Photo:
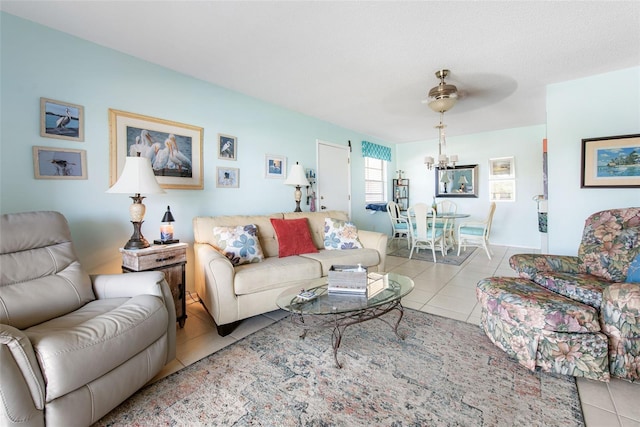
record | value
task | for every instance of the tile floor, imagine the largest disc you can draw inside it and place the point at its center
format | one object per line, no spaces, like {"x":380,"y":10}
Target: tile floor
{"x":440,"y":289}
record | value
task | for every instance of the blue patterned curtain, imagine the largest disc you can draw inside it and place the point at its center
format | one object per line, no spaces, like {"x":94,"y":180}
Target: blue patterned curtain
{"x":369,"y":149}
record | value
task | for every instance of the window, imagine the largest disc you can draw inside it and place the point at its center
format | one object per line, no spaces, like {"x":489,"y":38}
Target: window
{"x":375,"y":180}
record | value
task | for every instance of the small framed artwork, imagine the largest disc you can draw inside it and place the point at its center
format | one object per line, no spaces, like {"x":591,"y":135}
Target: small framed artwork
{"x":59,"y":163}
{"x":61,"y":120}
{"x":174,"y":149}
{"x":611,"y":162}
{"x":275,"y":166}
{"x":227,"y":177}
{"x":227,"y":147}
{"x":502,"y":168}
{"x":502,"y":190}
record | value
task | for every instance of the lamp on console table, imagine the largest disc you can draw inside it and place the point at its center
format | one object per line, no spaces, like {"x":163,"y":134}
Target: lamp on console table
{"x":298,"y":179}
{"x":138,"y":178}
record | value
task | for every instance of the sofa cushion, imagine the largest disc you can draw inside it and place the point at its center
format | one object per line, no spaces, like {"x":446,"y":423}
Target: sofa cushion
{"x":203,"y":229}
{"x":366,"y":257}
{"x":77,"y":348}
{"x":294,"y":237}
{"x":316,"y":223}
{"x":340,"y":234}
{"x":523,"y":303}
{"x":585,"y":288}
{"x":274,"y":273}
{"x":240,"y":243}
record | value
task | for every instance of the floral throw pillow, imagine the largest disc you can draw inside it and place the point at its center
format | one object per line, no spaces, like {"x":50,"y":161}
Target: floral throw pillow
{"x":339,"y":234}
{"x":240,"y":243}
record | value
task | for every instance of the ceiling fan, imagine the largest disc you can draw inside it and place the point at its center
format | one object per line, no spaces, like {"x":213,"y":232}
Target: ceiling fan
{"x":443,"y":97}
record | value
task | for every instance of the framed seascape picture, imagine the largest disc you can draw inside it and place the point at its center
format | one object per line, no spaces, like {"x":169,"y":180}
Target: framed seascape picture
{"x":227,"y":147}
{"x":61,"y":120}
{"x":275,"y":166}
{"x":59,"y":163}
{"x":174,"y":149}
{"x":502,"y":168}
{"x":502,"y":190}
{"x":227,"y":177}
{"x":460,"y":181}
{"x":611,"y":162}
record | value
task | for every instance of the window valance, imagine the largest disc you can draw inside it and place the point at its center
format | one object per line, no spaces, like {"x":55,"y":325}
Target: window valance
{"x":369,"y":149}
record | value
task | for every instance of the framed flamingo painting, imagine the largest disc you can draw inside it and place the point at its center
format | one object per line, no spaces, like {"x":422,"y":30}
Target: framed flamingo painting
{"x":61,"y":120}
{"x":174,"y":149}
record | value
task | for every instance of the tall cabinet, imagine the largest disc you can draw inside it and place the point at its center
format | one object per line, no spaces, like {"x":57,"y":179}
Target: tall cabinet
{"x":401,"y":193}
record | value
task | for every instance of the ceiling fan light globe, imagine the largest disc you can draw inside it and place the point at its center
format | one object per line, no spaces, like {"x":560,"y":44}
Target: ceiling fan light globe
{"x":443,"y":104}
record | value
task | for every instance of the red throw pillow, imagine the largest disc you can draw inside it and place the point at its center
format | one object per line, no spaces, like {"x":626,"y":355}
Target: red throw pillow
{"x":294,"y":237}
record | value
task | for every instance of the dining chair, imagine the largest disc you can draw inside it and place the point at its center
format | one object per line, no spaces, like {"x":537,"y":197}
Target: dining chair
{"x":425,"y":234}
{"x":399,"y":223}
{"x":476,"y":233}
{"x":447,"y":207}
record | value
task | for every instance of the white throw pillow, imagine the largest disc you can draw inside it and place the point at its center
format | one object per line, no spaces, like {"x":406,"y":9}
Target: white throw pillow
{"x":339,"y":234}
{"x":240,"y":243}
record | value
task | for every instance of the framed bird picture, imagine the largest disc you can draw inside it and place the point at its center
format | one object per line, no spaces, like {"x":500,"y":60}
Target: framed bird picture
{"x":59,"y":163}
{"x":61,"y":120}
{"x":227,"y":147}
{"x":174,"y":149}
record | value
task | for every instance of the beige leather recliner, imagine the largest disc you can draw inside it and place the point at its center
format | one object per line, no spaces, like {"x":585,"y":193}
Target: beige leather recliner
{"x":73,"y":346}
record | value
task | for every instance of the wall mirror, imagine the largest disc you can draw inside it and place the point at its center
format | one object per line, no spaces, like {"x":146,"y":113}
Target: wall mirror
{"x":459,"y":181}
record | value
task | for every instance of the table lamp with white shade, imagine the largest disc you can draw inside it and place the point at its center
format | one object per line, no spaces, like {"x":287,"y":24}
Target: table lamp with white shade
{"x":297,"y":178}
{"x":137,"y":177}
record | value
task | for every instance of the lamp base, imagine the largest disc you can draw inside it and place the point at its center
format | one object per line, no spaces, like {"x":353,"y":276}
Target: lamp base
{"x":137,"y":240}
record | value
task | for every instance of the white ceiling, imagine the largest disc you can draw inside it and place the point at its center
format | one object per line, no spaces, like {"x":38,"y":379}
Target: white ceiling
{"x":368,"y":65}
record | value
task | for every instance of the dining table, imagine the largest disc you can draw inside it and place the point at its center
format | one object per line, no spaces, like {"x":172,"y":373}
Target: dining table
{"x":450,"y":239}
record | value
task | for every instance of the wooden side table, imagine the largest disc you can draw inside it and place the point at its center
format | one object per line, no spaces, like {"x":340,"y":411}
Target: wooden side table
{"x":171,"y":260}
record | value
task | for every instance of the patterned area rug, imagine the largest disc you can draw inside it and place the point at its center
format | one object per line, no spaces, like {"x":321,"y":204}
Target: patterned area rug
{"x":426,"y":255}
{"x":444,"y":373}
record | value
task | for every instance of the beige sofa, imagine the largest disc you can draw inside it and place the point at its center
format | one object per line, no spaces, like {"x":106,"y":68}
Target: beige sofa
{"x":231,"y":294}
{"x":73,"y":346}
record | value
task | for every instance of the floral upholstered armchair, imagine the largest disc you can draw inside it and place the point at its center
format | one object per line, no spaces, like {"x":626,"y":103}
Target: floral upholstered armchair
{"x":573,"y":315}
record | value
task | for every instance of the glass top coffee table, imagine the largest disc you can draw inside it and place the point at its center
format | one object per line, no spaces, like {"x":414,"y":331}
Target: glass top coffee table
{"x":340,"y":310}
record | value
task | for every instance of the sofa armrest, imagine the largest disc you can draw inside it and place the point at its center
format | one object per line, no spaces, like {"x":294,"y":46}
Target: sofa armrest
{"x":214,"y":282}
{"x":528,"y":265}
{"x":620,"y":309}
{"x":22,"y":388}
{"x":377,"y":241}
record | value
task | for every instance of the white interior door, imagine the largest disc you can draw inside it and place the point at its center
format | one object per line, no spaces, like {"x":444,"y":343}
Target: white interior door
{"x":333,"y":177}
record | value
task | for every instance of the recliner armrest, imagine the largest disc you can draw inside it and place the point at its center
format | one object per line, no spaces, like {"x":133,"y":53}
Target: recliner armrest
{"x":527,"y":265}
{"x":22,"y":389}
{"x":128,"y":285}
{"x":620,"y":309}
{"x":140,"y":283}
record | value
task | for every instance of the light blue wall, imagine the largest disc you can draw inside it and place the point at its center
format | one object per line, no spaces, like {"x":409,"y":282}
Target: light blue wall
{"x":39,"y":62}
{"x":514,"y":223}
{"x":597,"y":106}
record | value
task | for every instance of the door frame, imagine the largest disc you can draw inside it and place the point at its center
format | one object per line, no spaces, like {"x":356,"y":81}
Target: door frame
{"x":347,"y":149}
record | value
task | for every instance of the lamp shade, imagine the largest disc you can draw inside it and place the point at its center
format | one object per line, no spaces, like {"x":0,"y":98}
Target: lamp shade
{"x":137,"y":177}
{"x":463,"y":180}
{"x":297,"y":176}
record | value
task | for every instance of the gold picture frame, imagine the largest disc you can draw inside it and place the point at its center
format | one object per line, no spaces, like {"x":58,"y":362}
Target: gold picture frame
{"x":59,"y":163}
{"x":155,"y":138}
{"x":61,"y":120}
